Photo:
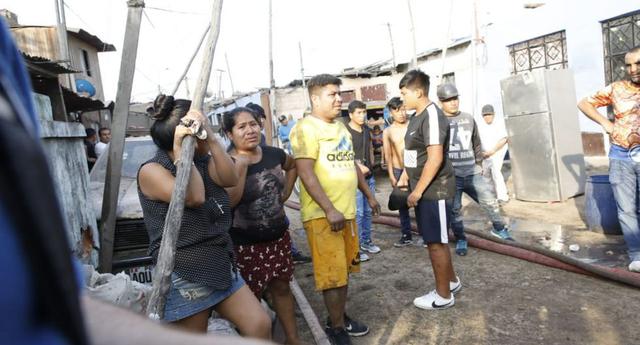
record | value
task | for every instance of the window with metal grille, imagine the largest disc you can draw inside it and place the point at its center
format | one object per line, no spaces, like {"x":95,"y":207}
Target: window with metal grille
{"x":548,"y":51}
{"x":449,"y":78}
{"x":619,"y":35}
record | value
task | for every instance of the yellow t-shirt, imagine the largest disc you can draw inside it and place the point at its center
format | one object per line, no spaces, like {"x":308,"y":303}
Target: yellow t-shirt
{"x":329,"y":144}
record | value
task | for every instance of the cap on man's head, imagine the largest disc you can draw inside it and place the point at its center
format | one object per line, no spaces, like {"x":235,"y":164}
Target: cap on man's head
{"x":487,"y":109}
{"x":90,"y":131}
{"x":282,"y":118}
{"x":447,"y":91}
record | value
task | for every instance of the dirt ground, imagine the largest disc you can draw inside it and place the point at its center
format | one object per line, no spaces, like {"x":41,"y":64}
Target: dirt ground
{"x":503,"y":301}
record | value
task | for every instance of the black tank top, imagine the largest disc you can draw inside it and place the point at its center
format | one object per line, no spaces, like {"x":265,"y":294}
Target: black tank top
{"x":204,"y":252}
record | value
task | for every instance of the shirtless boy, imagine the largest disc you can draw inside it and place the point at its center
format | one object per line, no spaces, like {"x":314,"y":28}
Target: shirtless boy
{"x":393,"y":146}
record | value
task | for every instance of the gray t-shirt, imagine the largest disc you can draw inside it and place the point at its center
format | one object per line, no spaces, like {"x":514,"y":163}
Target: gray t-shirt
{"x":465,"y":150}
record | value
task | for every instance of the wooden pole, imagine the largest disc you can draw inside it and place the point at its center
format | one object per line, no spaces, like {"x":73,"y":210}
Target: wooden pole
{"x":445,"y":46}
{"x":193,"y":56}
{"x":270,"y":128}
{"x":167,"y":252}
{"x":414,"y":57}
{"x":118,"y":129}
{"x":474,"y":61}
{"x":226,"y":60}
{"x":305,"y":94}
{"x":186,"y":86}
{"x":393,"y":51}
{"x":63,"y":44}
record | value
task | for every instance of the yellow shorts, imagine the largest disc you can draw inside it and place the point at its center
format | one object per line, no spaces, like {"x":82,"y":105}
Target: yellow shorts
{"x":335,"y":254}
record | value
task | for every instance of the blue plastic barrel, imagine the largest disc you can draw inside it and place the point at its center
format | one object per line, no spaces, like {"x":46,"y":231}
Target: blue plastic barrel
{"x":600,"y":206}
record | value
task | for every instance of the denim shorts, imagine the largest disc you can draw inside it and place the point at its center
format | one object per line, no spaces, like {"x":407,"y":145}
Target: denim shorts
{"x":186,"y":298}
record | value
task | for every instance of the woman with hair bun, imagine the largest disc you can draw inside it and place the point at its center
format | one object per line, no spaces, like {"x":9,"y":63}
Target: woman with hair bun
{"x":260,"y":226}
{"x":204,"y":277}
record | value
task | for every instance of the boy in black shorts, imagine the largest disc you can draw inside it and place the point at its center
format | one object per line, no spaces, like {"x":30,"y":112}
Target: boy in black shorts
{"x":429,"y":175}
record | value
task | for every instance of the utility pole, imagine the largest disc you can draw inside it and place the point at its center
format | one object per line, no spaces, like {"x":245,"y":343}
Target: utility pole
{"x":186,"y":86}
{"x":414,"y":59}
{"x":393,"y":51}
{"x":63,"y":45}
{"x":474,"y":60}
{"x":220,"y":71}
{"x":272,"y":81}
{"x":233,"y":91}
{"x":193,"y":56}
{"x":118,"y":129}
{"x":173,"y":220}
{"x":305,"y":94}
{"x":447,"y":38}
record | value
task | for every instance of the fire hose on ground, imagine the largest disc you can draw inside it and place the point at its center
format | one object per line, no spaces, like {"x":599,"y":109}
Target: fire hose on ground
{"x":535,"y":254}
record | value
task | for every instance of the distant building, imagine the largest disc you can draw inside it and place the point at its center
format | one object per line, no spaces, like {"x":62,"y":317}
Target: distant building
{"x":84,"y":86}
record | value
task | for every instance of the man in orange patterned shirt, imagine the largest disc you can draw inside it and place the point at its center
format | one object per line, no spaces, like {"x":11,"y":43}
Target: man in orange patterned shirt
{"x":624,"y":172}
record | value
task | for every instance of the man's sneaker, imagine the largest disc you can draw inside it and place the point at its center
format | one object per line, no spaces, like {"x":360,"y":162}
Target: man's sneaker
{"x":370,"y":247}
{"x":354,"y":328}
{"x":338,"y":336}
{"x":299,"y":258}
{"x":364,"y":257}
{"x":433,"y":301}
{"x":403,"y":242}
{"x":502,"y":234}
{"x":461,"y":247}
{"x":634,"y":266}
{"x":455,"y":287}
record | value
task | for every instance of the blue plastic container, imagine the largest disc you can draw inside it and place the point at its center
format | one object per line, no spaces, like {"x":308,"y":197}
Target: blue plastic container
{"x":600,"y":206}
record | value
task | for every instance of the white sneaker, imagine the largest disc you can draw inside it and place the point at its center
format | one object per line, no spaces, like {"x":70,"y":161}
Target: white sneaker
{"x":370,"y":247}
{"x":634,"y":266}
{"x":364,"y":257}
{"x":455,"y":287}
{"x":432,"y":301}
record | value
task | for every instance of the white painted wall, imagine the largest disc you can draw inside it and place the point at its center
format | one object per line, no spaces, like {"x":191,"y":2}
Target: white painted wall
{"x":581,"y":22}
{"x":504,"y":23}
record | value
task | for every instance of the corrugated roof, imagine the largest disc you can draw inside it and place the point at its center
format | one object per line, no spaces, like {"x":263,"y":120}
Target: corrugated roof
{"x":39,"y":65}
{"x":74,"y":102}
{"x":81,"y":34}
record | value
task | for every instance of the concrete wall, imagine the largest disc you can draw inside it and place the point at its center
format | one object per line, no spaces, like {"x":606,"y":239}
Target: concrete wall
{"x":291,"y":101}
{"x":64,"y":147}
{"x":511,"y":23}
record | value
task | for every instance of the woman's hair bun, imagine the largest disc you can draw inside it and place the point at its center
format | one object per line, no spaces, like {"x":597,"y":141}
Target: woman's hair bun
{"x":162,"y":107}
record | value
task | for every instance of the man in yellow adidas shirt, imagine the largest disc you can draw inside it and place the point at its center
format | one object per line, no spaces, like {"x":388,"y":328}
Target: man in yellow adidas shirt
{"x":324,"y":155}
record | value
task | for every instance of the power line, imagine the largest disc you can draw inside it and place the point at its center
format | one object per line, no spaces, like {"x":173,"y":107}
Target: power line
{"x":174,"y":11}
{"x":78,"y":16}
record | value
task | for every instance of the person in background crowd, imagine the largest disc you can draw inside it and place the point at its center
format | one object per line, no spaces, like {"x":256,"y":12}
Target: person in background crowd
{"x":105,"y":137}
{"x":429,"y":175}
{"x":393,"y":138}
{"x":259,"y":110}
{"x":465,"y":154}
{"x":90,"y":146}
{"x":363,"y":149}
{"x":624,"y":171}
{"x":325,"y":163}
{"x":259,"y":231}
{"x":494,"y":140}
{"x":204,"y":277}
{"x":283,"y":131}
{"x":378,"y":143}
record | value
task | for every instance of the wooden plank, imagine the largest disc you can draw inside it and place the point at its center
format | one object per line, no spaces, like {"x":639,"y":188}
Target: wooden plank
{"x":167,"y":251}
{"x":118,"y":129}
{"x":312,"y":320}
